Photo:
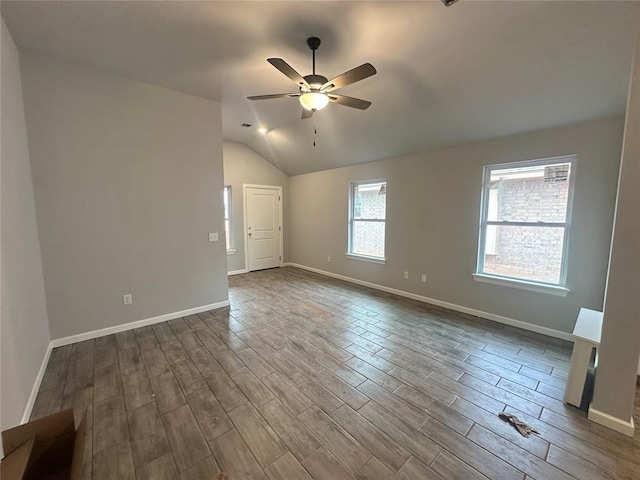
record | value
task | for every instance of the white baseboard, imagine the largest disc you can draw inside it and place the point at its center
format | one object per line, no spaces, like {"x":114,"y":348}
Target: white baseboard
{"x":625,"y":427}
{"x":238,"y":272}
{"x":36,"y":386}
{"x":59,"y":342}
{"x":458,"y":308}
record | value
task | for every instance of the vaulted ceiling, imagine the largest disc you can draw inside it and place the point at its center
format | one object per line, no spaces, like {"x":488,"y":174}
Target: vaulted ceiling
{"x":445,"y":75}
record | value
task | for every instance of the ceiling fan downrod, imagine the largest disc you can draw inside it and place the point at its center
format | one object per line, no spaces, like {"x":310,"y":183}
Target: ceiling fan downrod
{"x":313,"y":43}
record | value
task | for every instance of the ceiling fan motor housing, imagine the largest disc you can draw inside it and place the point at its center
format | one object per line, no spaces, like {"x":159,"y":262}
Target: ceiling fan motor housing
{"x":315,"y":81}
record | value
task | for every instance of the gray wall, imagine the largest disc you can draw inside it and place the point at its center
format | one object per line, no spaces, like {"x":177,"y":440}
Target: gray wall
{"x":433,"y":206}
{"x":128,"y":183}
{"x":24,"y":327}
{"x":243,"y":165}
{"x":621,"y":326}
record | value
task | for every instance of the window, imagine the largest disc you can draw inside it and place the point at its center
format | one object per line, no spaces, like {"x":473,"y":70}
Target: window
{"x":228,"y":234}
{"x":367,"y":212}
{"x":525,"y":219}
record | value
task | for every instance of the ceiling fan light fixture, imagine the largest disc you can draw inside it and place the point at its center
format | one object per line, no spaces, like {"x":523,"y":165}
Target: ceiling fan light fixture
{"x":315,"y":91}
{"x":314,"y":100}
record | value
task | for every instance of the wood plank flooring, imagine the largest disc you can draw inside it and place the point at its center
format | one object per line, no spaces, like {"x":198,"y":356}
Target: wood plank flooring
{"x":306,"y":377}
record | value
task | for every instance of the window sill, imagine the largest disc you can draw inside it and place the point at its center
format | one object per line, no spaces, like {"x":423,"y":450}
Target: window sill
{"x":231,"y":251}
{"x":366,"y":258}
{"x":522,"y":284}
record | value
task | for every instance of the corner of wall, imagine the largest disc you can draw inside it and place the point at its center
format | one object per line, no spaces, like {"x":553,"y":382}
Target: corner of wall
{"x":24,"y":325}
{"x":620,"y":347}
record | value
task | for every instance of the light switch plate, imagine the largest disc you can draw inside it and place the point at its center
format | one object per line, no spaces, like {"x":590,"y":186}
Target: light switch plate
{"x":213,"y":237}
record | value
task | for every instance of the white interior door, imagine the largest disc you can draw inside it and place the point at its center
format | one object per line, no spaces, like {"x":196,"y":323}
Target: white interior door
{"x":263,"y":222}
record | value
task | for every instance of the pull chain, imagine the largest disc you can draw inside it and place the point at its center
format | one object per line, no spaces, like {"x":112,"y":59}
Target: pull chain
{"x":315,"y":126}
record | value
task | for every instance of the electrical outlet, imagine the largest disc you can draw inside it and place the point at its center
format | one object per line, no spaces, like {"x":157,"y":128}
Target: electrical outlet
{"x":328,"y":259}
{"x":213,"y":237}
{"x":423,"y":279}
{"x":406,"y":275}
{"x":127,"y":299}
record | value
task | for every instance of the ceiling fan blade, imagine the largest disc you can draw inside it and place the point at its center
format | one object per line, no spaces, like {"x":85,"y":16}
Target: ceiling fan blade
{"x":349,"y":101}
{"x":274,"y":95}
{"x":306,"y":113}
{"x":288,"y":70}
{"x":352,"y":76}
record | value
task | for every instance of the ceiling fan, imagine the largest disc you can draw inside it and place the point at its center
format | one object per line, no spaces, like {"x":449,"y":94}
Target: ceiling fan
{"x":315,"y":91}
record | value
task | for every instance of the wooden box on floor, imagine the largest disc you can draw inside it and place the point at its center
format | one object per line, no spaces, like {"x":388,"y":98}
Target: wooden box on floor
{"x":49,"y":448}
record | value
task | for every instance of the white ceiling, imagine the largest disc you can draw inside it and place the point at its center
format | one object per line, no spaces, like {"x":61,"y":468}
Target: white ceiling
{"x":445,"y":75}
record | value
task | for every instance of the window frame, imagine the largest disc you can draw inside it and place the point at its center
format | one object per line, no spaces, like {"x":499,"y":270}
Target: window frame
{"x":229,"y":190}
{"x":559,"y":288}
{"x":350,"y":253}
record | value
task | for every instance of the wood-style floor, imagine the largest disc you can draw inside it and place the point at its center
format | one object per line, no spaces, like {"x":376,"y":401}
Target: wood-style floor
{"x":305,"y":377}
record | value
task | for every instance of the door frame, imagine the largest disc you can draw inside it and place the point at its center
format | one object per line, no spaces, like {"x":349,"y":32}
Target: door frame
{"x":246,"y":230}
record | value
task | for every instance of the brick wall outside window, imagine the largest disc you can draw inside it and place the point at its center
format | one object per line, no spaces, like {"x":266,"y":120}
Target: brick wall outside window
{"x":529,"y":252}
{"x":368,"y":237}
